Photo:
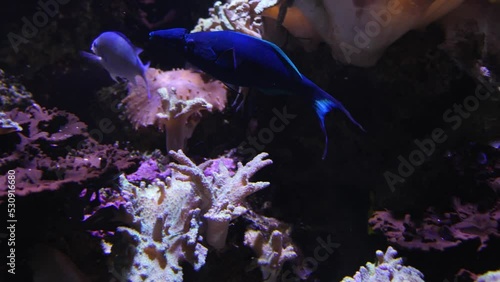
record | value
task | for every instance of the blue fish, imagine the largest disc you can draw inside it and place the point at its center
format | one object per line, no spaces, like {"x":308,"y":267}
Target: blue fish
{"x":114,"y":52}
{"x":239,"y":59}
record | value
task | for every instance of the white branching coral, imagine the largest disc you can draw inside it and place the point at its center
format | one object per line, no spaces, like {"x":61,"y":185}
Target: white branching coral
{"x":238,"y":15}
{"x":271,"y":242}
{"x":174,"y":221}
{"x":388,"y":268}
{"x":165,"y":229}
{"x":222,"y":195}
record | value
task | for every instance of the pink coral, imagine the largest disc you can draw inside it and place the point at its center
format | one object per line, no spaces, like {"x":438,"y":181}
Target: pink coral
{"x":177,"y":101}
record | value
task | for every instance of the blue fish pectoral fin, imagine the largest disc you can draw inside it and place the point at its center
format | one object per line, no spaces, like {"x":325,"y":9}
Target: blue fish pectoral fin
{"x":91,"y":57}
{"x":227,"y":59}
{"x":234,"y":89}
{"x":324,"y":103}
{"x":239,"y":101}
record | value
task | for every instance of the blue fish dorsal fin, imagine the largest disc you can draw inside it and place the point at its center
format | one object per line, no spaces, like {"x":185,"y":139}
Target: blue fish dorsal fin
{"x":284,"y":58}
{"x":227,"y":59}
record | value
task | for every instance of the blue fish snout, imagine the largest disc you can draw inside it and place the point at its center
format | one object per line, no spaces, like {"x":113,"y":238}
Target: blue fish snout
{"x":174,"y":34}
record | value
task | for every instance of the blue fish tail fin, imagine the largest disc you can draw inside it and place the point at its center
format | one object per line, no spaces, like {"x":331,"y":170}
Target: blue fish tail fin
{"x":323,"y":103}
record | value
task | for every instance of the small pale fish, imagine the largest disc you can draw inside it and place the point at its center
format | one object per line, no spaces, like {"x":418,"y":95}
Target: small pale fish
{"x":114,"y":52}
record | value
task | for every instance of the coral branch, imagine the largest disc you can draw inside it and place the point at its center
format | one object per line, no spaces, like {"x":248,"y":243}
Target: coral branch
{"x":270,"y":240}
{"x":178,"y":99}
{"x":223,"y":195}
{"x":387,"y":268}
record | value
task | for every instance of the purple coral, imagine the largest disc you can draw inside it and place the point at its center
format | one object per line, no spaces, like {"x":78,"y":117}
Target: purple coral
{"x":149,"y":171}
{"x":439,"y":231}
{"x":215,"y":166}
{"x":55,"y":150}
